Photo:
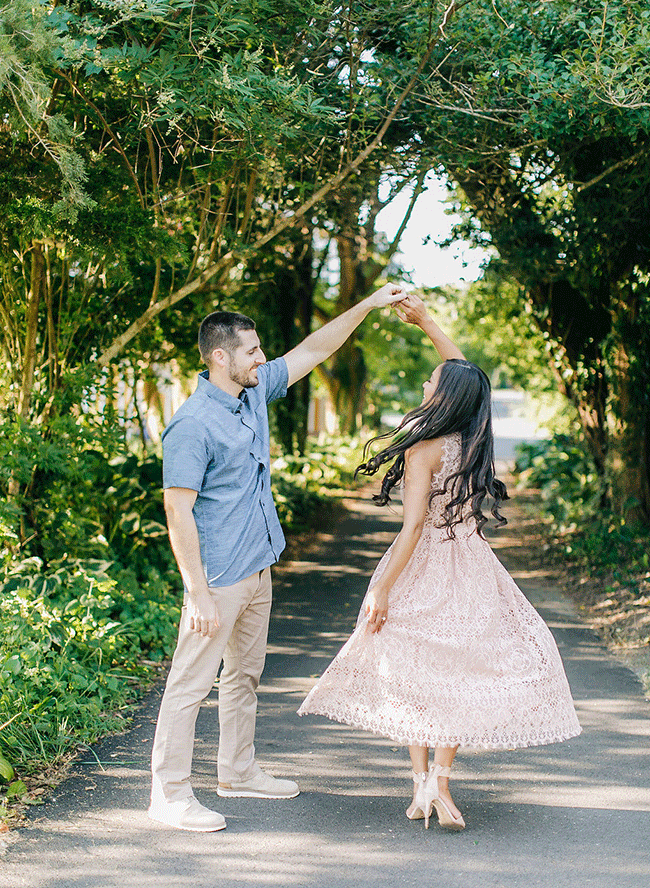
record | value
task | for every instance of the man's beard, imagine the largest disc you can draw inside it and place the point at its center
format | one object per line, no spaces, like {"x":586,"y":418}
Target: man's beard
{"x":243,"y":378}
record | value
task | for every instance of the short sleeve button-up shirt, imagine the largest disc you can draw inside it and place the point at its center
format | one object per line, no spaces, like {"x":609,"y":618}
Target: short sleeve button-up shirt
{"x":218,"y":445}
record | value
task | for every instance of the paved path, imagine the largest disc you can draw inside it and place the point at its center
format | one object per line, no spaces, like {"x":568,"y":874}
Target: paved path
{"x":576,"y":813}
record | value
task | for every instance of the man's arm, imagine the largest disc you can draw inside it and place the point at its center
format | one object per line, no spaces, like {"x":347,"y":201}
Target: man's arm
{"x":184,"y":539}
{"x":413,"y":310}
{"x":318,"y":346}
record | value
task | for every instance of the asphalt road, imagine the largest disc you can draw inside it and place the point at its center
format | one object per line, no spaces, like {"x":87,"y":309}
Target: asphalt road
{"x":571,"y":814}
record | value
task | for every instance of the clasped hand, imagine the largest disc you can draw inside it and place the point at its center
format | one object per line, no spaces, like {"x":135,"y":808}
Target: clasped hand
{"x":387,"y":295}
{"x":411,"y":310}
{"x":376,"y":609}
{"x":203,"y":614}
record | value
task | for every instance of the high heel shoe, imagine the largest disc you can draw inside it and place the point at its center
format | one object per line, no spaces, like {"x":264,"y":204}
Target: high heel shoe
{"x":418,"y":813}
{"x":427,"y":797}
{"x":445,"y":818}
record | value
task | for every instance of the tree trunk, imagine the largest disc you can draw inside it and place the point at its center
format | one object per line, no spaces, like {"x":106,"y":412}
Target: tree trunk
{"x":305,"y":315}
{"x":628,"y":464}
{"x":286,"y":307}
{"x":578,"y":325}
{"x":31,"y":330}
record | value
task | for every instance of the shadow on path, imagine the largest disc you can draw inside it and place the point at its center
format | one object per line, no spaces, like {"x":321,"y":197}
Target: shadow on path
{"x":547,"y":817}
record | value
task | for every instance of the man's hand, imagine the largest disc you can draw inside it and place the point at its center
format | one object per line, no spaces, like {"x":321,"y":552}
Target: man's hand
{"x":202,"y":610}
{"x":412,"y":310}
{"x":387,"y":295}
{"x":376,"y":608}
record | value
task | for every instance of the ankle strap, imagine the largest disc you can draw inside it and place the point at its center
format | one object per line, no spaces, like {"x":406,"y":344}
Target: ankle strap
{"x":439,"y":771}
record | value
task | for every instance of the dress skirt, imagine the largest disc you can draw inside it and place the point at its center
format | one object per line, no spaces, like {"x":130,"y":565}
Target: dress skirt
{"x":463,"y":658}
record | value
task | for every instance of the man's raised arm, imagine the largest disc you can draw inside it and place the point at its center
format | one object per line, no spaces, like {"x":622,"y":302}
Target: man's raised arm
{"x":318,"y":346}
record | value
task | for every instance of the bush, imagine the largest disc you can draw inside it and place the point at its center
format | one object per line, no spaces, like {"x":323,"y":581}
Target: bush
{"x":72,"y":643}
{"x":566,"y":477}
{"x":302,"y":483}
{"x":89,"y":589}
{"x":84,"y":621}
{"x":586,"y":531}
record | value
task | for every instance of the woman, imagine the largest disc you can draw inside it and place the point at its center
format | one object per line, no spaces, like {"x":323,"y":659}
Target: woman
{"x":447,"y":651}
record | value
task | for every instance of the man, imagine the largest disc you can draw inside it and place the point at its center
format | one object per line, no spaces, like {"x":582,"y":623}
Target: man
{"x":225,"y":534}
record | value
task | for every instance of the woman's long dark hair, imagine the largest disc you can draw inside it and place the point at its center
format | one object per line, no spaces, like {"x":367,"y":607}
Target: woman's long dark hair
{"x":460,"y":403}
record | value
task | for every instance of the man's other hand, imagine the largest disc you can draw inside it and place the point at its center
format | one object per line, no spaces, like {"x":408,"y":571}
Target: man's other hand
{"x":202,"y":610}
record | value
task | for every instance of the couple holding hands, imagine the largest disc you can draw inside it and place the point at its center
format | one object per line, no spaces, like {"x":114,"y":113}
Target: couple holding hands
{"x":447,"y":652}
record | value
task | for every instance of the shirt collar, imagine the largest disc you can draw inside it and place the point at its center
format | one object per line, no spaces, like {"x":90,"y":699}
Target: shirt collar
{"x":213,"y":391}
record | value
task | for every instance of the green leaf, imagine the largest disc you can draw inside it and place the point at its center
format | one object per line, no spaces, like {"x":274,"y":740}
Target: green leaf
{"x":6,"y":771}
{"x":16,"y":789}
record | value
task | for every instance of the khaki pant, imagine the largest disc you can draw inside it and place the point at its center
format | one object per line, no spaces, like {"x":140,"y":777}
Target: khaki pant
{"x":240,"y":641}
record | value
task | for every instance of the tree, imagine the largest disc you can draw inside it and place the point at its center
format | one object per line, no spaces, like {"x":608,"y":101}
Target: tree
{"x":538,"y":117}
{"x":151,"y":155}
{"x":362,"y":256}
{"x":149,"y":151}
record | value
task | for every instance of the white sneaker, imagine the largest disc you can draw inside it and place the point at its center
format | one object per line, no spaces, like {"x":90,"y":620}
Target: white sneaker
{"x":261,"y":786}
{"x":187,"y":814}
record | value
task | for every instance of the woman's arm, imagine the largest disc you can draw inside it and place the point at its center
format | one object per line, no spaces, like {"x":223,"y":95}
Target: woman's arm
{"x":422,"y":461}
{"x":413,"y":311}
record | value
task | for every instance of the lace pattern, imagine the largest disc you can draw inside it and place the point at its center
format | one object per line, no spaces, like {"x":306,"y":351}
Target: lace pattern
{"x":463,"y":658}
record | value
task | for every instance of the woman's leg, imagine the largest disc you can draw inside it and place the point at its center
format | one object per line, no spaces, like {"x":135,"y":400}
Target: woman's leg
{"x":419,"y":758}
{"x":420,"y":764}
{"x":444,"y":756}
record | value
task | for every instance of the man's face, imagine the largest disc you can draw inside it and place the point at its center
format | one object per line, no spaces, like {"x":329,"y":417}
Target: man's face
{"x":246,"y":358}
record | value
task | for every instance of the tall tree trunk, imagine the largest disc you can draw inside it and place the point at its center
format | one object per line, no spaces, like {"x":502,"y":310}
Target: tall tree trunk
{"x":31,"y":330}
{"x":578,"y":325}
{"x":286,"y":304}
{"x":348,"y":366}
{"x":304,"y":316}
{"x":628,"y":464}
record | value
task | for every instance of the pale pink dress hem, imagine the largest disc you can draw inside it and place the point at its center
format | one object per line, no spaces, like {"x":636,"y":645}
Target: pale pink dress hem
{"x":465,"y":743}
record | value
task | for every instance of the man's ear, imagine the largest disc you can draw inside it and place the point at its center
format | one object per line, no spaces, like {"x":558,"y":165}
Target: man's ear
{"x":220,"y":358}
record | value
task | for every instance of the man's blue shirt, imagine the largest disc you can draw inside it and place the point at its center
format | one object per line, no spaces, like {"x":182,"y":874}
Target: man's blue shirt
{"x":218,"y":445}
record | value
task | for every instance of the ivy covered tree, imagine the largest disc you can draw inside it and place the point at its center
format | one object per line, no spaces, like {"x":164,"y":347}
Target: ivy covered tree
{"x":540,"y":116}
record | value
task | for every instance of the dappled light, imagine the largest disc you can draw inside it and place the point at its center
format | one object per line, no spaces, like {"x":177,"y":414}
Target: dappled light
{"x":541,"y":816}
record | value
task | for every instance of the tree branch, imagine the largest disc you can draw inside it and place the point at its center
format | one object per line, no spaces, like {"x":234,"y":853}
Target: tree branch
{"x":105,"y":124}
{"x":290,"y":219}
{"x":611,"y":169}
{"x":417,"y":191}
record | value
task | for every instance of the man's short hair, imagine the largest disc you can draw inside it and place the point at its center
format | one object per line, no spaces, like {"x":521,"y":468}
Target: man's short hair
{"x":220,"y":330}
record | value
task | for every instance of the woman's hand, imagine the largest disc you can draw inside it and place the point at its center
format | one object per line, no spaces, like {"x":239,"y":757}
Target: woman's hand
{"x":412,"y":310}
{"x":376,"y":608}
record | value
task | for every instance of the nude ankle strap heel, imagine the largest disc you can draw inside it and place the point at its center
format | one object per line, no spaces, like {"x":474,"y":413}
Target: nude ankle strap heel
{"x":427,"y":797}
{"x":419,"y":779}
{"x":445,"y":818}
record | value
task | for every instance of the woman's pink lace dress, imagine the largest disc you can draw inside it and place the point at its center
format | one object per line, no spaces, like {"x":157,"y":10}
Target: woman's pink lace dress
{"x":463,"y":657}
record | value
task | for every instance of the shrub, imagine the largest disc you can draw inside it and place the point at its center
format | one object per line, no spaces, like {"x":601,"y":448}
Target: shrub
{"x":582,"y":526}
{"x":302,"y":483}
{"x":72,"y":643}
{"x":566,"y":477}
{"x":83,"y":623}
